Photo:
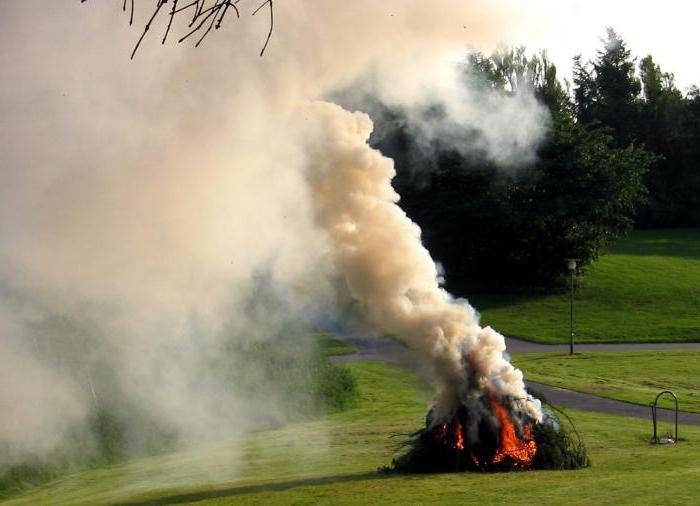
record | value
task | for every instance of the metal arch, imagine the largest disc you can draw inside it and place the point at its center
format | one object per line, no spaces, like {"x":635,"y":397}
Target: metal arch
{"x":654,"y":406}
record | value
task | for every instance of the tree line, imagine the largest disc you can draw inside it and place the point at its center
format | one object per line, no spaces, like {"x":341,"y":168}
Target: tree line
{"x":622,"y":150}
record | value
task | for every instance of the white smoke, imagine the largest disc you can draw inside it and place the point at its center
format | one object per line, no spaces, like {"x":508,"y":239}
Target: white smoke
{"x":448,"y":107}
{"x":378,"y":251}
{"x":138,"y":198}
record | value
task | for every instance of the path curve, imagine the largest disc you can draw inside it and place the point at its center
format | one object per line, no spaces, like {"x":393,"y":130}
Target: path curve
{"x":393,"y":352}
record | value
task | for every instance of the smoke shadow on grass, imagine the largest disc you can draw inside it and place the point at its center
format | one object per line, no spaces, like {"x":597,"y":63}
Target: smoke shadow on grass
{"x":252,"y":489}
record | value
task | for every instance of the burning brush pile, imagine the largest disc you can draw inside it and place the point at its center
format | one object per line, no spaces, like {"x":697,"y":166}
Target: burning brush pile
{"x":490,"y":435}
{"x":483,"y":418}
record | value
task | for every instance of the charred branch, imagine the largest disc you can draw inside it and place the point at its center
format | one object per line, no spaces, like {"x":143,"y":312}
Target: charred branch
{"x":202,"y":15}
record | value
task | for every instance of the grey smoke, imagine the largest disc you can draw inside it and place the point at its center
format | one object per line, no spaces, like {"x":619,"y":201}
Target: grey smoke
{"x":454,"y":110}
{"x":139,"y":199}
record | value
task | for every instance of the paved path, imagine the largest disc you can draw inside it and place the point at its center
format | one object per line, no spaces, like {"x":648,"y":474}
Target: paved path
{"x":393,"y":352}
{"x":515,"y":346}
{"x":588,"y":402}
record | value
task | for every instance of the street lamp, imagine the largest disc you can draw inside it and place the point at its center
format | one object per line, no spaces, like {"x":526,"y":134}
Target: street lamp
{"x":571,"y":264}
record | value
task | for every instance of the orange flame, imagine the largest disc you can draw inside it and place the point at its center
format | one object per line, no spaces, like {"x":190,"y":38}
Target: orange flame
{"x":512,"y":450}
{"x":442,"y":431}
{"x":453,"y":437}
{"x":521,"y":451}
{"x":459,"y":443}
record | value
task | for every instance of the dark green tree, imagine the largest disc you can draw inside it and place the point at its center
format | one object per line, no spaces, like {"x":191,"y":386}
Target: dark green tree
{"x":492,"y":226}
{"x":579,"y":198}
{"x":660,"y":130}
{"x":649,"y":111}
{"x":499,"y":227}
{"x":669,"y":126}
{"x":607,"y":89}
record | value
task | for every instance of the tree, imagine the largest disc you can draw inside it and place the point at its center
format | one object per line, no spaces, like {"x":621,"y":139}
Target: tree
{"x":581,"y":197}
{"x":515,"y":229}
{"x":668,"y":126}
{"x":659,"y":129}
{"x":585,"y":91}
{"x":495,"y":227}
{"x":607,"y":89}
{"x":647,"y":110}
{"x":512,"y":70}
{"x":203,"y":15}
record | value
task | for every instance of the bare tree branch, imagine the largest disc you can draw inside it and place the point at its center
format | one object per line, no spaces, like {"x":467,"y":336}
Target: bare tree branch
{"x":173,"y":11}
{"x":272,"y":22}
{"x":148,"y":26}
{"x":206,"y":14}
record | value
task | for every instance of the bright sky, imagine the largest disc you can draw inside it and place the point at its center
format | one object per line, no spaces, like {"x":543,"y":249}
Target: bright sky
{"x":667,"y":30}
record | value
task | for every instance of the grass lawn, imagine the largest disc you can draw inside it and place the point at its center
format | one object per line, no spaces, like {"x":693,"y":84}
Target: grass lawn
{"x":628,"y":376}
{"x":329,"y":346}
{"x":647,"y":288}
{"x":334,"y":461}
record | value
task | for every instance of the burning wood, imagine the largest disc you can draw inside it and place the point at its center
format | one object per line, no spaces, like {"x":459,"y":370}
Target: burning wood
{"x":489,"y":436}
{"x":520,"y":451}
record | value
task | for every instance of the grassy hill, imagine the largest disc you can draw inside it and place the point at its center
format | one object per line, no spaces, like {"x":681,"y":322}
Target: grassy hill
{"x":291,"y":370}
{"x":647,"y":288}
{"x":335,"y":461}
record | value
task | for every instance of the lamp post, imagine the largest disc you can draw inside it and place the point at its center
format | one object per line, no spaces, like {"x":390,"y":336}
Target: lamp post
{"x":571,"y":264}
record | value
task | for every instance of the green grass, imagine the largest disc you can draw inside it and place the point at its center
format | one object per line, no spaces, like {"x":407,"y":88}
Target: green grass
{"x":291,"y":369}
{"x":329,"y":346}
{"x":334,"y":461}
{"x":628,"y":376}
{"x":647,"y":288}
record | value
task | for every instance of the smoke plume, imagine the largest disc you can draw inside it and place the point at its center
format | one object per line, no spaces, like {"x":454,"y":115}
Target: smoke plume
{"x":378,"y":251}
{"x":139,"y":200}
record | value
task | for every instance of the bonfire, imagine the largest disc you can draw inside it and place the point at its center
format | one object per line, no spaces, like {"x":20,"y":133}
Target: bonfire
{"x":490,"y":435}
{"x":483,"y":418}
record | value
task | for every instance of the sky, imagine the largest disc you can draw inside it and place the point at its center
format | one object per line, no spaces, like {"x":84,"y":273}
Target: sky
{"x":666,"y":30}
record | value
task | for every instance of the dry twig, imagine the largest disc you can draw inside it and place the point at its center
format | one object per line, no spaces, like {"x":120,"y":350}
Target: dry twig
{"x":206,"y":14}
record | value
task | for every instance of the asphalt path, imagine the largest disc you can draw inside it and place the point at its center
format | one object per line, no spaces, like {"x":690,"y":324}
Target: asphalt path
{"x":515,"y":346}
{"x":394,"y":352}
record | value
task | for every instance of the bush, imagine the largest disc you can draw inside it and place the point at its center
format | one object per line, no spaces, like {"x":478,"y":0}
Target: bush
{"x":335,"y":387}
